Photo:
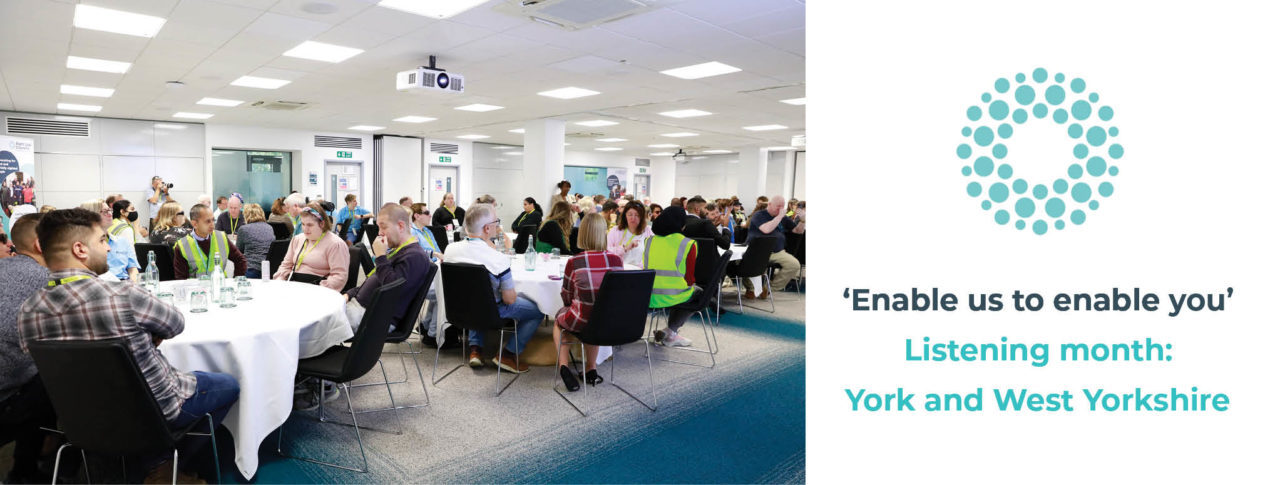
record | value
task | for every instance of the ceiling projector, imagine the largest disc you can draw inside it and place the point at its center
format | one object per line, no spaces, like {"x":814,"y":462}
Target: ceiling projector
{"x":428,"y":78}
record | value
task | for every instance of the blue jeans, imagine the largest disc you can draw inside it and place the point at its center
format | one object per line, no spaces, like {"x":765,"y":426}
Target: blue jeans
{"x":215,"y":393}
{"x":253,"y":273}
{"x":527,"y":317}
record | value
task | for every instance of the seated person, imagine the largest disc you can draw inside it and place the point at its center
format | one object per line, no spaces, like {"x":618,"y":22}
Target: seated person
{"x":482,"y":225}
{"x":772,"y":221}
{"x":122,"y":260}
{"x":316,"y":256}
{"x":254,"y":239}
{"x":628,"y":238}
{"x":447,"y":213}
{"x":583,"y":275}
{"x":352,"y":216}
{"x":398,"y":256}
{"x":696,"y":224}
{"x":555,"y":230}
{"x":24,"y":406}
{"x":194,"y":256}
{"x":670,"y":253}
{"x":169,"y":225}
{"x":70,"y":307}
{"x":532,"y":215}
{"x":421,"y":220}
{"x":231,"y":220}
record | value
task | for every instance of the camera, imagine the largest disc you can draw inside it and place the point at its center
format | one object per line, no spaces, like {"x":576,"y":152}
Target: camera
{"x":168,"y":185}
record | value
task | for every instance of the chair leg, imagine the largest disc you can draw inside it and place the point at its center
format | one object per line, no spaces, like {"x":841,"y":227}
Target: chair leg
{"x":213,"y":441}
{"x":435,"y":381}
{"x":702,"y":320}
{"x":653,"y":389}
{"x":768,"y":282}
{"x":57,"y":461}
{"x":555,"y":376}
{"x":175,"y":466}
{"x":498,"y":378}
{"x":85,"y":460}
{"x":359,"y":440}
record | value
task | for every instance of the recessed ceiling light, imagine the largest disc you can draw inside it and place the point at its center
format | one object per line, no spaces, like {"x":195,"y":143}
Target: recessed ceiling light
{"x":567,"y":144}
{"x":259,"y":82}
{"x":596,"y":123}
{"x":513,"y":153}
{"x":681,"y":134}
{"x":220,"y":102}
{"x":320,"y":51}
{"x":194,"y":116}
{"x":684,"y":113}
{"x":366,"y":128}
{"x":611,"y":140}
{"x":87,"y":91}
{"x":764,"y":127}
{"x":501,"y":147}
{"x":478,"y":107}
{"x":662,"y":154}
{"x":608,"y":149}
{"x":414,"y":119}
{"x":99,"y":65}
{"x":716,"y":152}
{"x":116,"y":21}
{"x":170,"y":126}
{"x":79,"y":107}
{"x":517,"y":130}
{"x":699,"y":158}
{"x":438,"y":9}
{"x":664,"y":145}
{"x":473,"y":137}
{"x":779,"y":149}
{"x":698,"y":71}
{"x":568,"y":92}
{"x":795,"y":101}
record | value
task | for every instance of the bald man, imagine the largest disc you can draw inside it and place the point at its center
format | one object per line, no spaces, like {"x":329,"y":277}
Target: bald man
{"x":773,"y":221}
{"x":398,"y":256}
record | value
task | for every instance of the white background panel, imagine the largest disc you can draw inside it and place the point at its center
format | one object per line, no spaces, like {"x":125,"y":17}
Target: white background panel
{"x":126,"y":173}
{"x":60,"y":172}
{"x":185,"y":142}
{"x":65,"y":199}
{"x":126,"y":137}
{"x":186,"y":174}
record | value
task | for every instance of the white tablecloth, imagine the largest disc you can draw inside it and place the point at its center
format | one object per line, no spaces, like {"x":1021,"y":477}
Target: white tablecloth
{"x":737,"y":249}
{"x":259,"y":343}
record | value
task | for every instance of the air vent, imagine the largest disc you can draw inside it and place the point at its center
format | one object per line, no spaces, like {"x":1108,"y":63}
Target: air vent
{"x":445,"y":148}
{"x":572,"y":14}
{"x":584,"y":134}
{"x":31,"y":126}
{"x":281,"y":105}
{"x":338,"y":142}
{"x":642,"y":162}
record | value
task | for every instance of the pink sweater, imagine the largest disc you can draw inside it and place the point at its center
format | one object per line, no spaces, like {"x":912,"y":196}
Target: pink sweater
{"x":330,"y":258}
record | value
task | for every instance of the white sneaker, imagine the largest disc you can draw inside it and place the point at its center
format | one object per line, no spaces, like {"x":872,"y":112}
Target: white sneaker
{"x":675,"y":340}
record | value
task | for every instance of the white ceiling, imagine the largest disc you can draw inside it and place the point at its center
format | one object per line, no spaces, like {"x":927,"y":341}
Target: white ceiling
{"x":506,"y":60}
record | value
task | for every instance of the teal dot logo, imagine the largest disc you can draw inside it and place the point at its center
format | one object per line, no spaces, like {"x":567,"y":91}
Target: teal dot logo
{"x":1087,"y":173}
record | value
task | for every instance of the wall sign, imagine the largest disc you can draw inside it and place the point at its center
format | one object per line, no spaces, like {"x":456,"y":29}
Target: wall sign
{"x":444,"y":159}
{"x":313,"y":178}
{"x":344,"y":154}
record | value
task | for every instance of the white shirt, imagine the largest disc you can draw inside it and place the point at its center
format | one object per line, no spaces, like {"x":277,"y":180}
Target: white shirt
{"x":477,"y":252}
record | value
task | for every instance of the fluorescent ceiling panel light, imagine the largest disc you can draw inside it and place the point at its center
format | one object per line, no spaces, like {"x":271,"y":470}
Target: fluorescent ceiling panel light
{"x":478,"y":107}
{"x":170,"y":126}
{"x":517,"y":130}
{"x":684,"y":113}
{"x":568,"y":93}
{"x":608,"y":149}
{"x":764,"y":127}
{"x":259,"y":82}
{"x":414,"y":119}
{"x":99,"y":65}
{"x":473,"y":137}
{"x":596,"y":123}
{"x":366,"y":128}
{"x":220,"y":102}
{"x":699,"y":71}
{"x":513,"y":153}
{"x":793,"y":101}
{"x":662,"y":154}
{"x":664,"y":145}
{"x":194,"y":116}
{"x":779,"y":149}
{"x":87,"y":91}
{"x":611,"y":140}
{"x":79,"y":107}
{"x":320,"y":51}
{"x":501,"y":147}
{"x":116,"y":21}
{"x":436,"y":9}
{"x":681,"y":134}
{"x":716,"y":152}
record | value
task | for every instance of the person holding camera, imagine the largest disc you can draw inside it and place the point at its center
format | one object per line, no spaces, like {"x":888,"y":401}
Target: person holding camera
{"x":156,"y":195}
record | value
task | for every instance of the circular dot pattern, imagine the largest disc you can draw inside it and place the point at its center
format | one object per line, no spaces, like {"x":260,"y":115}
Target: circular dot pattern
{"x":1039,"y":96}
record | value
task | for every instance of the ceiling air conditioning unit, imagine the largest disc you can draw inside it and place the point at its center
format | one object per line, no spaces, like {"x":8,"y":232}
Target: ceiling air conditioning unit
{"x":571,"y":14}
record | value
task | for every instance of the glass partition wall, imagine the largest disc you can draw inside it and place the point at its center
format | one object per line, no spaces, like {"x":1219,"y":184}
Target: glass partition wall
{"x":259,"y":176}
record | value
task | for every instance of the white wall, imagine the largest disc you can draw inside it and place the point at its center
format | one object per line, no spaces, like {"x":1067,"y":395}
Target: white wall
{"x":500,"y":174}
{"x":402,"y":168}
{"x":465,"y":193}
{"x":775,"y":182}
{"x":306,"y":156}
{"x":800,"y":176}
{"x":712,"y":177}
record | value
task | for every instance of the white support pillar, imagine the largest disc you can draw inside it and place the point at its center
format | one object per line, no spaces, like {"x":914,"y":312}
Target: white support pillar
{"x":543,"y":159}
{"x":753,"y":162}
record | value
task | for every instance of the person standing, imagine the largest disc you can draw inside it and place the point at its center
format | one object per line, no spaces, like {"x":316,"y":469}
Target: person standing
{"x":156,"y":195}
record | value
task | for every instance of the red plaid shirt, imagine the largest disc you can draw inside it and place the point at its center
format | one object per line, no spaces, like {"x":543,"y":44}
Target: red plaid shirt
{"x":583,"y":275}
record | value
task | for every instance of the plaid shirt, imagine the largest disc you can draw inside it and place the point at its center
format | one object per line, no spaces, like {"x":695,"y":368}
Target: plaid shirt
{"x":95,"y":309}
{"x":583,"y":275}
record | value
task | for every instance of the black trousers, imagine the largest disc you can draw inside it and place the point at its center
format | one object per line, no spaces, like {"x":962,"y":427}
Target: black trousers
{"x":21,"y":416}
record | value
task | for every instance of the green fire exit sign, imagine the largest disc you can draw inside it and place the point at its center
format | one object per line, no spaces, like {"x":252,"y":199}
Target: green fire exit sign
{"x":344,"y":154}
{"x":446,"y":159}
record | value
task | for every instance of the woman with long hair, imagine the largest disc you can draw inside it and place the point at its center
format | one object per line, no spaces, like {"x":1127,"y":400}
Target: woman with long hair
{"x":555,"y":230}
{"x":629,"y":237}
{"x":448,"y":212}
{"x":170,"y":225}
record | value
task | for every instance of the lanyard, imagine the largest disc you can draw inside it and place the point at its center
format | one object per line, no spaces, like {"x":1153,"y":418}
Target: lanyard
{"x":303,"y":253}
{"x":234,"y":220}
{"x":630,"y":236}
{"x":203,"y":263}
{"x":451,"y":214}
{"x":392,"y":254}
{"x":69,"y":279}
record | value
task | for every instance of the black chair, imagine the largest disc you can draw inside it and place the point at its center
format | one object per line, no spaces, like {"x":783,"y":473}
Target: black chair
{"x":573,"y":241}
{"x":469,"y":304}
{"x":739,"y":235}
{"x":275,"y":255}
{"x":704,"y":267}
{"x":405,"y":328}
{"x":361,"y":264}
{"x":755,"y":262}
{"x":281,"y":230}
{"x":617,"y":318}
{"x":795,"y":246}
{"x":342,"y":365}
{"x":122,"y":418}
{"x":164,"y":258}
{"x":442,"y":237}
{"x":370,"y":230}
{"x":521,"y":244}
{"x":342,"y":230}
{"x":698,"y":304}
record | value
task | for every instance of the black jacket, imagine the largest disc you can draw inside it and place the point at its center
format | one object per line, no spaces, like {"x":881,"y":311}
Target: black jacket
{"x":550,"y":233}
{"x":526,"y":219}
{"x":695,"y":226}
{"x":442,"y":218}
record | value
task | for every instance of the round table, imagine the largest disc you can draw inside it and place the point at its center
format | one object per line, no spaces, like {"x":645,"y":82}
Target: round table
{"x":259,"y":343}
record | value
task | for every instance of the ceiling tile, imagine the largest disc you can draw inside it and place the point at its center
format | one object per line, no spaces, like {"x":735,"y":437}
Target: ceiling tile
{"x":286,"y":27}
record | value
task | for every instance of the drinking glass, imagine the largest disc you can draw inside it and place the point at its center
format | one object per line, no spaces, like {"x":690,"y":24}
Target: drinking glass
{"x":227,"y":295}
{"x":244,"y":289}
{"x":199,"y":300}
{"x":166,"y":297}
{"x":555,"y":253}
{"x":545,"y":256}
{"x":205,"y":282}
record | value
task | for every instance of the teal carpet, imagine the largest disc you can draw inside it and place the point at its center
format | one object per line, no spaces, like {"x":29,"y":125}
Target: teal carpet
{"x":740,"y":426}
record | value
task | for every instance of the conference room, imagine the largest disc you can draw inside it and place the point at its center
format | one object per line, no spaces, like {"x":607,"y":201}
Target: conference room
{"x":353,"y":241}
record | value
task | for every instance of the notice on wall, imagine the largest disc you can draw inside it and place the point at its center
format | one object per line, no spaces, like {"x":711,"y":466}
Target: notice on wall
{"x":616,"y":180}
{"x":17,"y":177}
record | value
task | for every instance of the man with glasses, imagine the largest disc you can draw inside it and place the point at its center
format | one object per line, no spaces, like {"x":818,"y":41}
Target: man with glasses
{"x":482,"y":225}
{"x":421,"y":219}
{"x":122,"y":259}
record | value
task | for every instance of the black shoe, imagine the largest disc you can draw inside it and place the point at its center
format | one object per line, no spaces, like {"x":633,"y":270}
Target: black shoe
{"x":570,"y":380}
{"x":593,"y":378}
